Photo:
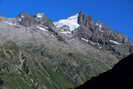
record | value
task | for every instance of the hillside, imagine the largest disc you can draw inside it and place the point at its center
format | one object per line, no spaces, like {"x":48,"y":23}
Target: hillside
{"x":119,"y":77}
{"x":37,"y":53}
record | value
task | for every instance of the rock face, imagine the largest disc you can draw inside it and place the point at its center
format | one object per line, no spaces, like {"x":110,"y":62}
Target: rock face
{"x":25,"y":19}
{"x":101,"y":36}
{"x":119,"y":77}
{"x":35,"y":53}
{"x":44,"y":20}
{"x":84,"y":20}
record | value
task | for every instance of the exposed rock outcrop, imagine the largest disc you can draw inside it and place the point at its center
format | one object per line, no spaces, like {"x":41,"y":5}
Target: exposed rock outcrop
{"x":25,"y":19}
{"x":84,"y":20}
{"x":41,"y":18}
{"x":102,"y":37}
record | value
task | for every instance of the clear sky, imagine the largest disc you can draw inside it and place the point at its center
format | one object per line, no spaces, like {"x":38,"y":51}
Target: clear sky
{"x":117,"y":14}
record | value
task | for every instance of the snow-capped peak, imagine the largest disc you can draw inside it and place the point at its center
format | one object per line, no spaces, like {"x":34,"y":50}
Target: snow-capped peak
{"x":72,"y":22}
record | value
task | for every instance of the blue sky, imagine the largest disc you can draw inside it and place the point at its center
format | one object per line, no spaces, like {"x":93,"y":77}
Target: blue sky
{"x":117,"y":14}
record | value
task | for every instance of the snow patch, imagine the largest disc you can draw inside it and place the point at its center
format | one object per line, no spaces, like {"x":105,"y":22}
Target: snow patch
{"x":100,"y":26}
{"x":39,"y":15}
{"x":9,"y":23}
{"x":66,"y":32}
{"x":115,"y":42}
{"x":84,"y":39}
{"x":41,"y":28}
{"x":72,"y":22}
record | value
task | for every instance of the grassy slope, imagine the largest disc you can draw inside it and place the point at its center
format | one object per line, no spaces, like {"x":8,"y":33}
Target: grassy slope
{"x":45,"y":68}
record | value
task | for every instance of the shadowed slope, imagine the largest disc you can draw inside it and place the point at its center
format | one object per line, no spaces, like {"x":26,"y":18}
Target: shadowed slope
{"x":120,"y":77}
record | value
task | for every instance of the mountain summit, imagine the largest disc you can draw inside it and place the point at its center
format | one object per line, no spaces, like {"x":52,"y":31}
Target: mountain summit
{"x":71,"y":22}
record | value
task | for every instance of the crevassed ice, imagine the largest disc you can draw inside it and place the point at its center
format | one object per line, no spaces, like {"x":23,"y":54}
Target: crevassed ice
{"x":72,"y":22}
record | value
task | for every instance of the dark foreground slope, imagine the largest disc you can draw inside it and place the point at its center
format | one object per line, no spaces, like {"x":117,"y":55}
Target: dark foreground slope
{"x":120,"y":77}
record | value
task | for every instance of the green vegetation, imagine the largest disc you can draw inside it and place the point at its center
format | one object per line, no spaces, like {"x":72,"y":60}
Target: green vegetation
{"x":41,"y":67}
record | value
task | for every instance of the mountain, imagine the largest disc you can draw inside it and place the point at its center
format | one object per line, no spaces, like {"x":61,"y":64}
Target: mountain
{"x":97,"y":34}
{"x":71,"y":22}
{"x":119,"y":77}
{"x":37,"y":53}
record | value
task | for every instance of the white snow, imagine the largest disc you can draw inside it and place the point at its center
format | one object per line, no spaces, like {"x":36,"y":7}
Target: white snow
{"x":41,"y":28}
{"x":72,"y":22}
{"x":10,"y":23}
{"x":66,"y":32}
{"x":39,"y":15}
{"x":115,"y":42}
{"x":100,"y":26}
{"x":84,"y":39}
